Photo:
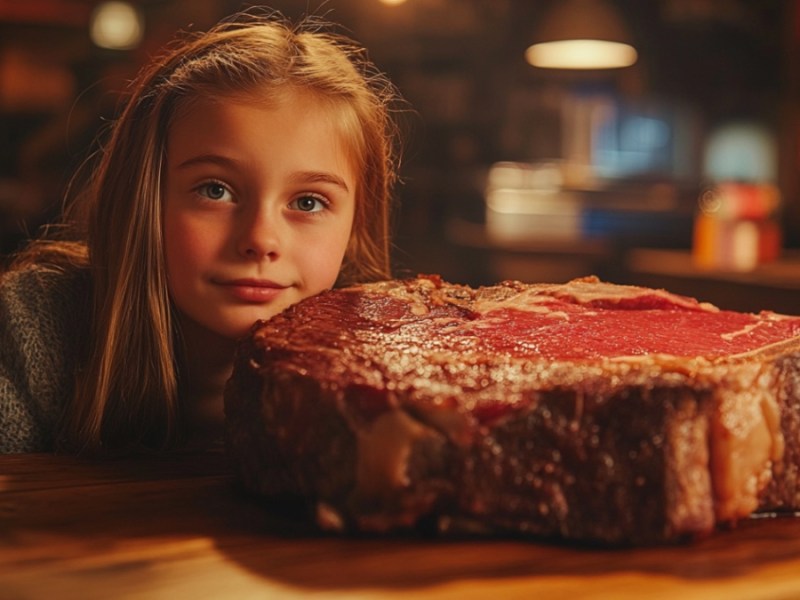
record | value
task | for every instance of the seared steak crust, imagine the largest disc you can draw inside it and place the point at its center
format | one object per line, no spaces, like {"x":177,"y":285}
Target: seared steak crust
{"x":494,"y":409}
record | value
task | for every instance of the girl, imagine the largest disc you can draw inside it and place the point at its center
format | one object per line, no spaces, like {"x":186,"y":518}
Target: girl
{"x":251,"y":167}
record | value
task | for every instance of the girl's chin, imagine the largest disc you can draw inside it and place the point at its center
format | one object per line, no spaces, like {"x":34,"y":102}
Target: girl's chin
{"x":239,"y":330}
{"x":236,"y":324}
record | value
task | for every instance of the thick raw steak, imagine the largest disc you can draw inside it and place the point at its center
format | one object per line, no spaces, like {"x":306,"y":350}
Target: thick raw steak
{"x":585,"y":411}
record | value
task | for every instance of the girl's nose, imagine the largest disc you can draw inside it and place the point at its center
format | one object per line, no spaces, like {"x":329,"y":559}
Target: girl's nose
{"x":259,"y":235}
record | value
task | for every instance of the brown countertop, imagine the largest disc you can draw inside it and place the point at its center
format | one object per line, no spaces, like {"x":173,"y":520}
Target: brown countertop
{"x":177,"y":526}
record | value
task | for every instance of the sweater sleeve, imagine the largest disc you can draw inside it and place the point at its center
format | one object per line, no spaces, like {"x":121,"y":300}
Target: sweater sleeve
{"x":38,"y":324}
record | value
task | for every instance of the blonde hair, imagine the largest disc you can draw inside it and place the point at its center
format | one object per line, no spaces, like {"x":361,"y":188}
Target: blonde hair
{"x":127,"y":393}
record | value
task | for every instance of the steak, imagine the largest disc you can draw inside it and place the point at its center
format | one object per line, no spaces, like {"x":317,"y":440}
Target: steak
{"x":582,"y":411}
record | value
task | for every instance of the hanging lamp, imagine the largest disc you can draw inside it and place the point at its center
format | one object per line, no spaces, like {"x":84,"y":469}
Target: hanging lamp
{"x":582,"y":34}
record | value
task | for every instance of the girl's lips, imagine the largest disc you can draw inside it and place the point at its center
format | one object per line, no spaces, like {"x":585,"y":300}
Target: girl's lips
{"x":253,"y":290}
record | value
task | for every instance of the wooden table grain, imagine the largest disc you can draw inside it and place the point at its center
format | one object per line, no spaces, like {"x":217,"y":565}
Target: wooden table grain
{"x":177,"y":526}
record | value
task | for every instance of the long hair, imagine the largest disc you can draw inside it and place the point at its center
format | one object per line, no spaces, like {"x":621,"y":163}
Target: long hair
{"x":127,"y":393}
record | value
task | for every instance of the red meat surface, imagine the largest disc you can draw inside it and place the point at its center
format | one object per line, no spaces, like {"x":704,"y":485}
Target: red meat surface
{"x":585,"y":410}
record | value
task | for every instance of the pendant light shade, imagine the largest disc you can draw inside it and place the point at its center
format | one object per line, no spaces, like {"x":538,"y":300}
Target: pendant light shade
{"x":582,"y":34}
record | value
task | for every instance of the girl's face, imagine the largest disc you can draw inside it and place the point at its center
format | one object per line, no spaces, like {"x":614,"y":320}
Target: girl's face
{"x":258,"y":209}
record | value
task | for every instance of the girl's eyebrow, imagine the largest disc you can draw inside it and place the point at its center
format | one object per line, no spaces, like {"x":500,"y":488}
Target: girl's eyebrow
{"x":298,"y":177}
{"x":320,"y":177}
{"x":206,"y":159}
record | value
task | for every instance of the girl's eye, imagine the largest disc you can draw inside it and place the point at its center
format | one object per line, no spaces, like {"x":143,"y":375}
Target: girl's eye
{"x":214,"y":191}
{"x":308,"y":203}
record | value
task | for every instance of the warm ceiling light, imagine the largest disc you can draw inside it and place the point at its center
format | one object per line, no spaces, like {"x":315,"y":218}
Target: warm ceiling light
{"x":581,"y":54}
{"x":116,"y":25}
{"x":582,"y":34}
{"x":392,"y":2}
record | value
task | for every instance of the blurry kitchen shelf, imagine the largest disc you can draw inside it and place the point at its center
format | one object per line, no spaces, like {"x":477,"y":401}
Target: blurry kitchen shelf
{"x":475,"y":235}
{"x":783,"y":273}
{"x":486,"y":259}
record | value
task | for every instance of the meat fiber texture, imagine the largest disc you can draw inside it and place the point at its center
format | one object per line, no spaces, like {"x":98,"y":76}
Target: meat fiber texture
{"x":583,"y":411}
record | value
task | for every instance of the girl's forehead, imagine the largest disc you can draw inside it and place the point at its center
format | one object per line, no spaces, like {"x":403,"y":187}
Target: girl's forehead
{"x":335,"y":112}
{"x":270,"y":97}
{"x":303,"y":128}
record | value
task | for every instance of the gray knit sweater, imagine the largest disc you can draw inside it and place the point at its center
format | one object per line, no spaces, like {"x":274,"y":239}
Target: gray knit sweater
{"x":43,"y":316}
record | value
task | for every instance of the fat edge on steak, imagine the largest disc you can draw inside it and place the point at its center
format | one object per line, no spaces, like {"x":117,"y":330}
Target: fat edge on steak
{"x":632,"y":450}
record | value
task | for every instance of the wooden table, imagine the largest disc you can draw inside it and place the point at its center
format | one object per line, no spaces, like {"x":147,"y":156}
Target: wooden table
{"x":177,"y":526}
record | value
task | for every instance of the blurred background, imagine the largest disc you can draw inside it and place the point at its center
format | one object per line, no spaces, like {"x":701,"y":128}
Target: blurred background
{"x":675,"y":166}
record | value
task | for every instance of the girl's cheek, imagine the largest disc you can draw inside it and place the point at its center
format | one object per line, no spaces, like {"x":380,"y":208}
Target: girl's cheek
{"x":188,"y":240}
{"x":326,"y":263}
